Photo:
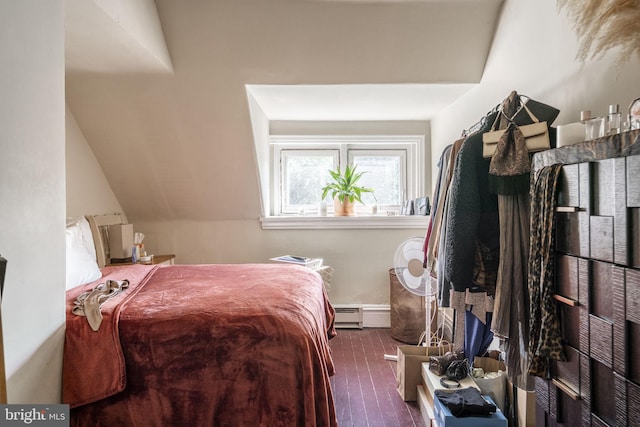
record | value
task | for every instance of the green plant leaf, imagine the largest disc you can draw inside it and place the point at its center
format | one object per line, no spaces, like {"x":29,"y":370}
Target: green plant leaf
{"x":344,"y":184}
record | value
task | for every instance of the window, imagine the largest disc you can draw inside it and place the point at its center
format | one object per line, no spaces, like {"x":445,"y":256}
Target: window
{"x":393,"y":166}
{"x":303,"y":173}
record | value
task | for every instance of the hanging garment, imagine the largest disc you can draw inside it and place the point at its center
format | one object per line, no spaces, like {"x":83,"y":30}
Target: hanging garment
{"x":443,"y":165}
{"x":475,"y":304}
{"x":511,"y":311}
{"x":472,"y":215}
{"x":444,"y":286}
{"x":511,"y":315}
{"x":436,"y":256}
{"x":545,"y":339}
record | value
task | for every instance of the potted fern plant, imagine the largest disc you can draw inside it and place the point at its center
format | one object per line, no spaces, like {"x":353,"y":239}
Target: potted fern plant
{"x":345,"y":190}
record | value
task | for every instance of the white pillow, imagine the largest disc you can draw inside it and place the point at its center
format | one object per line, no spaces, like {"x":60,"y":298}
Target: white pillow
{"x":82,"y":267}
{"x":85,"y":231}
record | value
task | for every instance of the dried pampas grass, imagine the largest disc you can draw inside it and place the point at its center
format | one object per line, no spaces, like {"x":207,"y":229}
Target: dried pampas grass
{"x":605,"y":24}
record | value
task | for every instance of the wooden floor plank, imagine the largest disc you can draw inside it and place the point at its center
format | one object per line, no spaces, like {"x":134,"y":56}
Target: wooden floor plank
{"x":374,"y":349}
{"x":369,"y":410}
{"x":364,"y":386}
{"x":340,"y":381}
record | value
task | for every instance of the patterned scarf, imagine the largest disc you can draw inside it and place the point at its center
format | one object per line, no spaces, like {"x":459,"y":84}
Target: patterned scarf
{"x":545,"y":337}
{"x":510,"y":164}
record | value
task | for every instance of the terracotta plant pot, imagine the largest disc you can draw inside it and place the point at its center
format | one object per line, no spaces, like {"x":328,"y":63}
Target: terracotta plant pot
{"x":345,"y":208}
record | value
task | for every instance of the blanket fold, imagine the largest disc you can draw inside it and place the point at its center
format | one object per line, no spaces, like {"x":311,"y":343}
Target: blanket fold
{"x":94,"y":365}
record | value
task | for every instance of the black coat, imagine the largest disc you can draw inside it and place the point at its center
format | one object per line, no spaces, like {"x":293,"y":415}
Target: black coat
{"x":472,"y":218}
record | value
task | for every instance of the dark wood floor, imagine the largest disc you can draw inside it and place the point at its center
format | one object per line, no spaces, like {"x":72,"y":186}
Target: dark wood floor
{"x":364,"y":386}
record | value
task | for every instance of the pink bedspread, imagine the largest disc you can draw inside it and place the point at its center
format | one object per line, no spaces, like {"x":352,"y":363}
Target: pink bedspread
{"x":204,"y":345}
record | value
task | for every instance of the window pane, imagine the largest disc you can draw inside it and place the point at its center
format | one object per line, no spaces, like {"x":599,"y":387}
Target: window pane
{"x":383,"y":174}
{"x":304,"y":176}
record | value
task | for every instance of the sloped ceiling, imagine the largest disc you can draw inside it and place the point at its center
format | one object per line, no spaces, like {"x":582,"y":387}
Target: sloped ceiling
{"x":170,"y":125}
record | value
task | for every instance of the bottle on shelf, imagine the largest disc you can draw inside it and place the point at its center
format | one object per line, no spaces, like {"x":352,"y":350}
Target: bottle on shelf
{"x":614,"y":119}
{"x":593,"y":126}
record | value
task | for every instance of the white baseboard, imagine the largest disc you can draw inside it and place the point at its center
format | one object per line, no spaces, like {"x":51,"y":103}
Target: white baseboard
{"x":363,"y":315}
{"x":376,"y":315}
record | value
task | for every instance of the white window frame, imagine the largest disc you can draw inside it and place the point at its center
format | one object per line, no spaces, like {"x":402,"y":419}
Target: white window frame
{"x":413,"y":145}
{"x":283,"y":208}
{"x":405,"y":169}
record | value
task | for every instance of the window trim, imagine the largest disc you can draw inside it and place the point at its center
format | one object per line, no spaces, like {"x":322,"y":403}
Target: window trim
{"x":413,"y":144}
{"x":307,"y":222}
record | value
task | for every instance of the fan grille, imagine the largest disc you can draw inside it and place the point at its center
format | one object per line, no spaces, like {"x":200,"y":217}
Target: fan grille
{"x":408,"y":265}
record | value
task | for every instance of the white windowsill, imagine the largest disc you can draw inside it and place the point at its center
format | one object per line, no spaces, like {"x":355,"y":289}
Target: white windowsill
{"x":343,"y":222}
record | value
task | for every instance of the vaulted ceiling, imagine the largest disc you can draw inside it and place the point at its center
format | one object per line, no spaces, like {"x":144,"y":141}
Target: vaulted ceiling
{"x":160,"y":90}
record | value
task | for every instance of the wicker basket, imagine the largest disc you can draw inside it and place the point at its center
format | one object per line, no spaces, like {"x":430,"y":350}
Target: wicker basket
{"x":408,"y":312}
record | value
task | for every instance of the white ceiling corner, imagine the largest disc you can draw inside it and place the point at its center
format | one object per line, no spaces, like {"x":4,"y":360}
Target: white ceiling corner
{"x":355,"y":102}
{"x":118,"y":36}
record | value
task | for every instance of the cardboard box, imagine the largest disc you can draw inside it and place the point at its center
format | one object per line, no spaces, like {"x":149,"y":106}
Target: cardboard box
{"x":120,"y":241}
{"x":445,"y":418}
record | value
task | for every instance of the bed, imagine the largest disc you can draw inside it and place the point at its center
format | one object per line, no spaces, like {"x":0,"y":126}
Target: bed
{"x":198,"y":345}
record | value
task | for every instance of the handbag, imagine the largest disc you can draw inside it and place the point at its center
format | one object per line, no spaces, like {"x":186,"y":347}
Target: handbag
{"x":439,"y":364}
{"x":536,"y":135}
{"x":458,"y":370}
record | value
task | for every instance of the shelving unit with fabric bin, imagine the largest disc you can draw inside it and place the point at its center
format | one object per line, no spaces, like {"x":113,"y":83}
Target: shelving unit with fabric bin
{"x":596,"y":286}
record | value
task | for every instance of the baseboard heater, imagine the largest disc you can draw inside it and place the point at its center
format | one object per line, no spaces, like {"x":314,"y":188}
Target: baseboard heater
{"x":348,"y":316}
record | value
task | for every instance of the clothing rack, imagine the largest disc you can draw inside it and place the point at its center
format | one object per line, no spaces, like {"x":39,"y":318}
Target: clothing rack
{"x":480,"y":124}
{"x":498,"y":108}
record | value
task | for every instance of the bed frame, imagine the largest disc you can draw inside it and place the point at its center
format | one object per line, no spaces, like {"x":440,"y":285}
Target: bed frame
{"x":100,"y":230}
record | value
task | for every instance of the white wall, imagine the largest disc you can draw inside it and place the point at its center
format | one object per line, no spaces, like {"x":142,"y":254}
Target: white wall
{"x":88,"y":192}
{"x":534,"y":53}
{"x":260,"y":129}
{"x":32,"y":196}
